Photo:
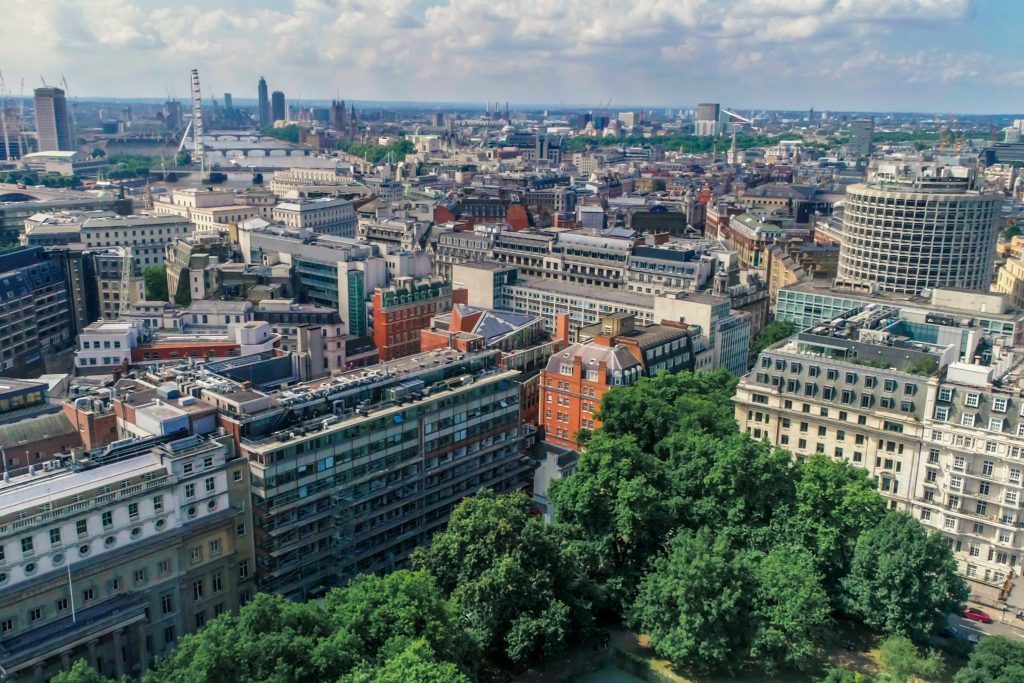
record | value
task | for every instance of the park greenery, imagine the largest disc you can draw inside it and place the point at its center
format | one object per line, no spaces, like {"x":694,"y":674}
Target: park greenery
{"x":732,"y":557}
{"x":289,"y":133}
{"x":375,"y":153}
{"x":690,"y":144}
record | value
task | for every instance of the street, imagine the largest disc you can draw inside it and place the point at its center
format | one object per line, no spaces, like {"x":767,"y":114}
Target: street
{"x":1010,"y":626}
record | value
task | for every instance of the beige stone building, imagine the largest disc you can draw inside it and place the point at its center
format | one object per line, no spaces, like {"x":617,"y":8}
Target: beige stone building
{"x":113,"y":555}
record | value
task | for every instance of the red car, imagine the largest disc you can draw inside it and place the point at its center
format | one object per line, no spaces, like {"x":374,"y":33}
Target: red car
{"x":977,"y":615}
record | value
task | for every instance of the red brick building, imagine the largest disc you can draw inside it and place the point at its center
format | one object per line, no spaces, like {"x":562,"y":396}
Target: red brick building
{"x":612,"y":353}
{"x":402,"y":310}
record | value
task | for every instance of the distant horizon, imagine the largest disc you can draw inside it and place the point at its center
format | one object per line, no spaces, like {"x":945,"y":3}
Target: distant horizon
{"x":554,"y":108}
{"x":913,"y":56}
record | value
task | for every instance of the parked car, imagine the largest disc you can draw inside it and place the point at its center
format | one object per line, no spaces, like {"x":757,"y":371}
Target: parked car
{"x":975,"y":614}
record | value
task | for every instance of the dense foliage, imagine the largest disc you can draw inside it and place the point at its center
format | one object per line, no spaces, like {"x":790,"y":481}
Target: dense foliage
{"x":726,"y":552}
{"x":123,"y":167}
{"x":375,"y":153}
{"x":772,"y":333}
{"x":154,"y":280}
{"x":289,"y":133}
{"x":994,"y":660}
{"x":690,"y":144}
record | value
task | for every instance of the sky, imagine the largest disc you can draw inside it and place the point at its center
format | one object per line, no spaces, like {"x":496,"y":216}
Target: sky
{"x":840,"y":55}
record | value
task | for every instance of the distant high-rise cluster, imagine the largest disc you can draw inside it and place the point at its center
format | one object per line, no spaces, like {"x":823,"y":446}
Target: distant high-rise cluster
{"x":278,"y":110}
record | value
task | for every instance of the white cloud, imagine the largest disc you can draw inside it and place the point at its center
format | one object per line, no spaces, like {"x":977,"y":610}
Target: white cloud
{"x":523,"y":50}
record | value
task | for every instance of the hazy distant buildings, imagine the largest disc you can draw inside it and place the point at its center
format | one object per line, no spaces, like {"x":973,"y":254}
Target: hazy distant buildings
{"x":278,"y":111}
{"x":265,"y":119}
{"x":707,"y":122}
{"x":338,"y":116}
{"x":227,"y":101}
{"x":861,"y":133}
{"x":53,"y":129}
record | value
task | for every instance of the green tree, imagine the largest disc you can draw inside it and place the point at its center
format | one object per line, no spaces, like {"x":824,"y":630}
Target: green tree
{"x":694,"y":603}
{"x":654,"y":407}
{"x":615,"y":512}
{"x":772,"y":333}
{"x":10,"y":179}
{"x":732,"y":484}
{"x":183,"y":158}
{"x":903,"y":580}
{"x":902,"y":662}
{"x":792,"y":610}
{"x":289,"y":133}
{"x":154,"y":280}
{"x":270,"y":640}
{"x":81,"y":672}
{"x":97,"y":153}
{"x":995,"y":659}
{"x":417,"y":663}
{"x":838,"y":675}
{"x":834,"y":503}
{"x":519,"y":596}
{"x":374,"y":616}
{"x":183,"y":295}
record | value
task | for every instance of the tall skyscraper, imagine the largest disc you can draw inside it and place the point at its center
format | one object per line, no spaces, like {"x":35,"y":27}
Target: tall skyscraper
{"x":277,"y":108}
{"x":338,"y":116}
{"x":227,"y":101}
{"x":914,"y":226}
{"x":265,"y":119}
{"x":172,"y":115}
{"x":861,"y":133}
{"x":52,"y":126}
{"x":707,"y":123}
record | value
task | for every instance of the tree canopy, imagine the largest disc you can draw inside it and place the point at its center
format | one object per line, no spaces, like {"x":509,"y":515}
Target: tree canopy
{"x":903,"y":580}
{"x":772,"y":333}
{"x":154,"y":279}
{"x":994,"y":660}
{"x":520,"y":597}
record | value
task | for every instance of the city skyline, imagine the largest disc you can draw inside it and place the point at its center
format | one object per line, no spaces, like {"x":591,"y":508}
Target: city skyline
{"x":827,"y":54}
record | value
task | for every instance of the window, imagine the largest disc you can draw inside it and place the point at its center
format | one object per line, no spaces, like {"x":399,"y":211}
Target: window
{"x":967,"y":419}
{"x":62,"y":604}
{"x":978,"y":528}
{"x":215,"y":547}
{"x":6,"y":626}
{"x":195,"y":554}
{"x":945,"y":394}
{"x":190,"y":490}
{"x":217,"y":583}
{"x":26,"y":545}
{"x":926,"y":514}
{"x":211,"y":484}
{"x":207,"y":462}
{"x":163,"y":567}
{"x":972,"y":400}
{"x":197,"y":590}
{"x":54,"y":536}
{"x":240,"y":529}
{"x":243,"y":570}
{"x":1012,"y":497}
{"x":237,"y":474}
{"x":889,"y":386}
{"x":187,"y":468}
{"x":133,"y":510}
{"x":35,"y":614}
{"x":158,"y":503}
{"x":169,"y":635}
{"x":999,"y":404}
{"x":108,"y":520}
{"x":141,"y":575}
{"x":166,"y":603}
{"x":88,"y":594}
{"x":200,"y":619}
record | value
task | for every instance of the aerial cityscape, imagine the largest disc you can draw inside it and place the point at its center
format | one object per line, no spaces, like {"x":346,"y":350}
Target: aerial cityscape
{"x":482,"y":342}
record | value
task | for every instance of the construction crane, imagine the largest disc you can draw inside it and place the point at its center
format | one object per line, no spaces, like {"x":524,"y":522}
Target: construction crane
{"x":71,"y":110}
{"x":197,"y":122}
{"x":3,"y":118}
